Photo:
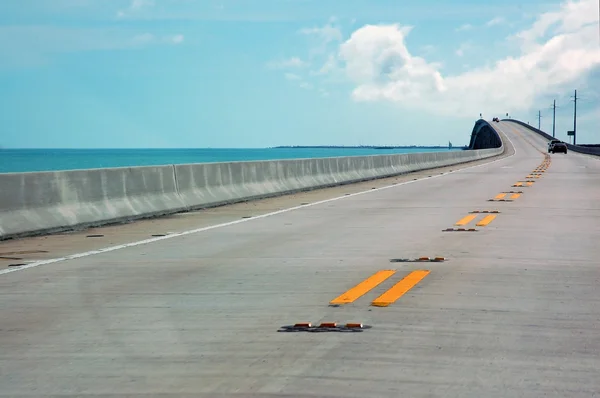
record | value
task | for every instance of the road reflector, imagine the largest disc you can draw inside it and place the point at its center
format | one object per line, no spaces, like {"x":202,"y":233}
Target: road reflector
{"x":325,"y":327}
{"x":421,"y":259}
{"x":354,"y":325}
{"x":303,"y":325}
{"x":328,"y":325}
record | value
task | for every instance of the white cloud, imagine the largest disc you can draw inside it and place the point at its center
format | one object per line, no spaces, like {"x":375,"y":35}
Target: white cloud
{"x":324,"y":92}
{"x":463,"y":48}
{"x":377,"y":60}
{"x":376,"y":56}
{"x":428,"y":49}
{"x":330,"y":65}
{"x":570,"y":18}
{"x":32,"y":45}
{"x":323,"y":37}
{"x":495,"y":21}
{"x":306,"y":85}
{"x":135,"y":6}
{"x":292,"y":76}
{"x":149,"y":38}
{"x":464,"y":27}
{"x":327,"y":33}
{"x":176,"y":39}
{"x":290,"y":63}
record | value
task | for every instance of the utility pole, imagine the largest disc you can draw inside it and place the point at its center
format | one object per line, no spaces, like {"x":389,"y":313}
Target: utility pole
{"x":554,"y":119}
{"x":539,"y":120}
{"x":575,"y":120}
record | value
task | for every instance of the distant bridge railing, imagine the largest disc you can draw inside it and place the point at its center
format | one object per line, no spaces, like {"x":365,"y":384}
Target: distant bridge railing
{"x":588,"y":150}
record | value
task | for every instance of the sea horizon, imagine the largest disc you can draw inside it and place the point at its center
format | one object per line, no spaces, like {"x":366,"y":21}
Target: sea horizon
{"x":19,"y":160}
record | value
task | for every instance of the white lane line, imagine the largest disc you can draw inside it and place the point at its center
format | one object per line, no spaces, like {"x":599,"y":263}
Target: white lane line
{"x":243,"y":220}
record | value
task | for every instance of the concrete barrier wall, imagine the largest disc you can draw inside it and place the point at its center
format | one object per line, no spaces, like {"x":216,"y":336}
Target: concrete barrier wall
{"x":35,"y":203}
{"x":53,"y":201}
{"x":219,"y":183}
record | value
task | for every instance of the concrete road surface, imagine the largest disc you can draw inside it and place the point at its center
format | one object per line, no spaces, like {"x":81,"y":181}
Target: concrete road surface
{"x":512,"y":311}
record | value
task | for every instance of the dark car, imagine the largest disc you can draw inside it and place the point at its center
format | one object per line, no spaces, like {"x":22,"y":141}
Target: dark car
{"x":551,"y":144}
{"x":559,"y":147}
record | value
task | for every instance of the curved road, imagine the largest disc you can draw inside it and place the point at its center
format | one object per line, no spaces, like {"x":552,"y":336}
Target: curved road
{"x":512,"y":311}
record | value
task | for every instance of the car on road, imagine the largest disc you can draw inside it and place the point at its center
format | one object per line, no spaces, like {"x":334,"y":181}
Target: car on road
{"x":559,"y":147}
{"x":551,"y":144}
{"x":496,"y":120}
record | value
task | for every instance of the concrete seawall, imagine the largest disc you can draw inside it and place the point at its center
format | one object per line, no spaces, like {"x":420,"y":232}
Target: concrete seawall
{"x":45,"y":202}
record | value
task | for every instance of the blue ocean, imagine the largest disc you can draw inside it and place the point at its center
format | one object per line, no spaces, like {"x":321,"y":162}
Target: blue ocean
{"x":28,"y":160}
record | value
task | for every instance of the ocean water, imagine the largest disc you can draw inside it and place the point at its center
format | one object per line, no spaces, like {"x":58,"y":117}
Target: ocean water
{"x":28,"y":160}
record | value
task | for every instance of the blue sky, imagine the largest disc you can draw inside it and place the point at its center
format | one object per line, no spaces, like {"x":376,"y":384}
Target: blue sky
{"x":257,"y":73}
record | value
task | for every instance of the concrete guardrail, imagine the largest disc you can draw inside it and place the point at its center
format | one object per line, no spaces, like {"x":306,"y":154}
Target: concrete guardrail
{"x":45,"y":202}
{"x":589,"y":150}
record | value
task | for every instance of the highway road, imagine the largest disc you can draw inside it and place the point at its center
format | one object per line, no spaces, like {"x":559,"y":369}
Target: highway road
{"x":513,"y":310}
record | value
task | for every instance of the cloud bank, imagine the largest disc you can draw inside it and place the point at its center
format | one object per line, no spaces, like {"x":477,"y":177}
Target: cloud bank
{"x":557,"y":52}
{"x":559,"y":49}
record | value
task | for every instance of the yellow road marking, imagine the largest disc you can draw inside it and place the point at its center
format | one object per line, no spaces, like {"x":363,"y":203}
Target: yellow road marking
{"x":515,"y":196}
{"x":500,"y":196}
{"x":466,"y":220}
{"x":529,"y":184}
{"x":486,"y":220}
{"x":363,"y":287}
{"x":400,"y":288}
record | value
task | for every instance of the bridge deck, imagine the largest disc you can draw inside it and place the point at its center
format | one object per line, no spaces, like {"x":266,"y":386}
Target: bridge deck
{"x":512,"y":311}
